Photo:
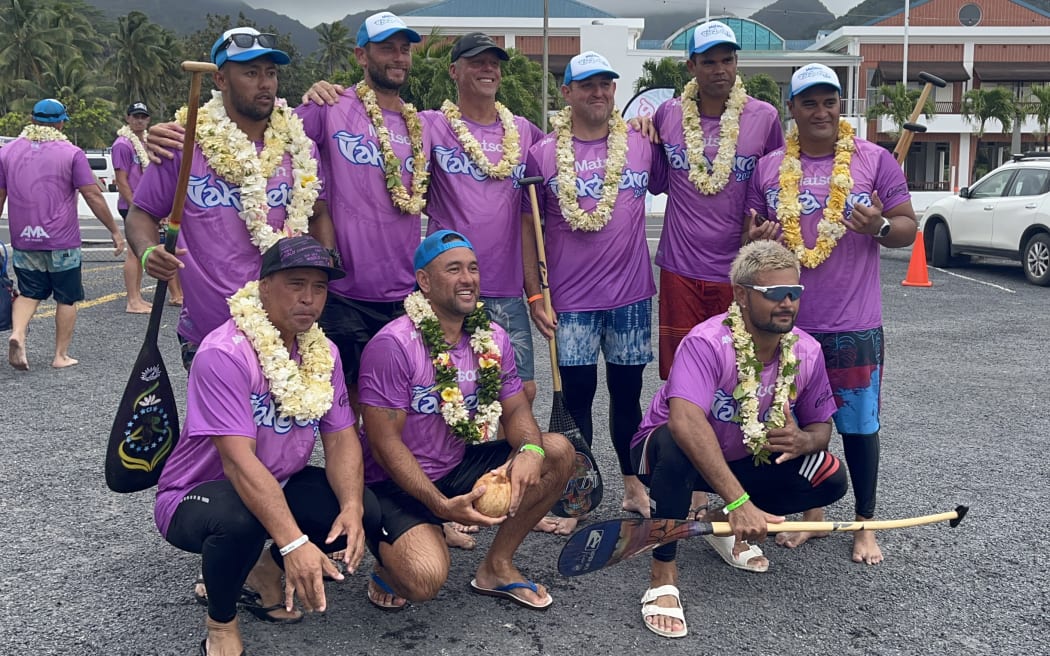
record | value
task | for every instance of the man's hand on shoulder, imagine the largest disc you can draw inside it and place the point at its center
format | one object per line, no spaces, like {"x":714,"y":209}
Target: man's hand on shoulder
{"x":323,"y":93}
{"x":164,"y":140}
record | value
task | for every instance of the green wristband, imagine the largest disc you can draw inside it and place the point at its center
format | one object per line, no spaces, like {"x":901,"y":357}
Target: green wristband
{"x":533,"y":447}
{"x":145,"y":256}
{"x":730,"y":507}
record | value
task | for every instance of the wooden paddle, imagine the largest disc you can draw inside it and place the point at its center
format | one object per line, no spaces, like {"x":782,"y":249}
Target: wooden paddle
{"x":584,"y":490}
{"x":146,"y":425}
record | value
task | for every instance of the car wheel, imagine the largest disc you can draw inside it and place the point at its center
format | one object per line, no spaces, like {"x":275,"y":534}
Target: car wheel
{"x":941,"y":252}
{"x":1036,"y":259}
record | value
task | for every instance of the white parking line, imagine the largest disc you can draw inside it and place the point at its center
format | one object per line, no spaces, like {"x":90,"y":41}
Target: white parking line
{"x":981,"y":282}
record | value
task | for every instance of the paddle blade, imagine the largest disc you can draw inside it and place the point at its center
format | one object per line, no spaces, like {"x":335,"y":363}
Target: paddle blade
{"x":606,"y":543}
{"x":146,"y":426}
{"x":584,"y":490}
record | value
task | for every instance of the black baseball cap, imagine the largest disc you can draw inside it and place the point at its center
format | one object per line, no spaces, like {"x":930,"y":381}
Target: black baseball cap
{"x":297,"y":253}
{"x":137,"y":108}
{"x":476,"y":43}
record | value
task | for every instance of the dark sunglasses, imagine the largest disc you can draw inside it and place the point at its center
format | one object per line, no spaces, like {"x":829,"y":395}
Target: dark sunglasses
{"x":778,"y":293}
{"x":242,"y":40}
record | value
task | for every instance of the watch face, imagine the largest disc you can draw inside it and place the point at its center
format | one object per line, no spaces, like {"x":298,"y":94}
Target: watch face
{"x":886,"y":227}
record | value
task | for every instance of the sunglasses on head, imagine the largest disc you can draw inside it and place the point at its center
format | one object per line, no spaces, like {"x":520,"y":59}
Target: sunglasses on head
{"x":778,"y":293}
{"x":242,"y":40}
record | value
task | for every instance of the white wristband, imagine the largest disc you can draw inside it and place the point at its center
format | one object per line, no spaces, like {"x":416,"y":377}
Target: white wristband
{"x":294,"y":544}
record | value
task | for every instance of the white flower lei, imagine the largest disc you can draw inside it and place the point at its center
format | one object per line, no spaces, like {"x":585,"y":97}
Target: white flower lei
{"x":399,"y":196}
{"x":711,"y":183}
{"x":749,"y":374}
{"x":485,"y":425}
{"x":302,"y":391}
{"x":234,"y":158}
{"x":139,"y":144}
{"x":511,"y":148}
{"x":42,"y":133}
{"x":616,"y":159}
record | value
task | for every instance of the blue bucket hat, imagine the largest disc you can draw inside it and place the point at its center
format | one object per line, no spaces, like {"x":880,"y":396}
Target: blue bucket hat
{"x":49,"y":110}
{"x":226,"y":49}
{"x":435,"y":245}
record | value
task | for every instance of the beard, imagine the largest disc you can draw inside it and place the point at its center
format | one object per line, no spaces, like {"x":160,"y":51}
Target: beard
{"x":772,"y":325}
{"x":381,"y":80}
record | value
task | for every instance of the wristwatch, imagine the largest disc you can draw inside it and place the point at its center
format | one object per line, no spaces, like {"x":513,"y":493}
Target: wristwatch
{"x":885,"y":229}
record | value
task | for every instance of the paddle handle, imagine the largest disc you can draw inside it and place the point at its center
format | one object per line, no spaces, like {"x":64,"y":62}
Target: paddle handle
{"x":197,"y":69}
{"x":541,"y":255}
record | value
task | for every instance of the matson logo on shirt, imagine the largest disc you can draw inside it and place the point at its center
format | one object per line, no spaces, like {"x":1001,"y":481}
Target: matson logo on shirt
{"x":208,"y":192}
{"x":456,"y":162}
{"x":356,"y":150}
{"x":743,"y":165}
{"x":264,"y":413}
{"x":425,"y":401}
{"x":636,"y":181}
{"x":810,"y":204}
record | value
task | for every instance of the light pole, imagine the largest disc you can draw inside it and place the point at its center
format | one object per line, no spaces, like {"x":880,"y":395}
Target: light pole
{"x":904,"y":63}
{"x":546,"y":64}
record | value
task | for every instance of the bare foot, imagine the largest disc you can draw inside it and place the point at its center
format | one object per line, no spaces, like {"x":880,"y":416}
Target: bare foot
{"x":792,"y":539}
{"x":456,"y":535}
{"x":63,"y":361}
{"x":637,"y":505}
{"x":16,"y":355}
{"x":140,"y":307}
{"x":382,"y":598}
{"x":557,"y":525}
{"x":175,"y":301}
{"x":865,"y":548}
{"x":265,"y":578}
{"x":488,"y":578}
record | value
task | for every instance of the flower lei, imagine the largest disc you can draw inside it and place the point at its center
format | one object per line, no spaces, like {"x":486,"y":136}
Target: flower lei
{"x":830,"y":228}
{"x":302,"y":391}
{"x":749,"y":374}
{"x":391,"y":163}
{"x":42,"y":133}
{"x":511,"y":148}
{"x":710,"y":183}
{"x":138,"y":144}
{"x":485,"y":424}
{"x":233,"y":157}
{"x":616,"y":159}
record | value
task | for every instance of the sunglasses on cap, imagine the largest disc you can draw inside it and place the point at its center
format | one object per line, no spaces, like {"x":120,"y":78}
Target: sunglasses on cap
{"x":242,"y":40}
{"x":778,"y":293}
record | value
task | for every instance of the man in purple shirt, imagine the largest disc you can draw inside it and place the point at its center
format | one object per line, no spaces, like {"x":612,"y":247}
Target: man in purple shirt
{"x":595,"y":172}
{"x":442,"y":405}
{"x":849,"y":198}
{"x":760,"y":440}
{"x":239,"y":474}
{"x":40,"y":175}
{"x":712,"y":136}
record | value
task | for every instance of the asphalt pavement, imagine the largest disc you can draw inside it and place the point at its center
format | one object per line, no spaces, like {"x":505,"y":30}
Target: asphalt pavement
{"x":84,"y":572}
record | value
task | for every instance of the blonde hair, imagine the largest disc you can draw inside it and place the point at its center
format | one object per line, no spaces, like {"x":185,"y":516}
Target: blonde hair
{"x":759,"y":256}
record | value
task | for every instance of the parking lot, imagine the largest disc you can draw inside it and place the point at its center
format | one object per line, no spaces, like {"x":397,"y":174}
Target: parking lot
{"x":965,"y":422}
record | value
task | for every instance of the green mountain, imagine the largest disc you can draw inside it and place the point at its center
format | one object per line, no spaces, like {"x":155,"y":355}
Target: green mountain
{"x":794,"y":19}
{"x":869,"y":10}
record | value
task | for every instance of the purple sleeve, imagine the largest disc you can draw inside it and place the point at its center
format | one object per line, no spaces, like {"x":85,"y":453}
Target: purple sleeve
{"x":510,"y":384}
{"x":386,"y":379}
{"x":532,"y":168}
{"x":82,"y":173}
{"x":122,"y":156}
{"x":775,"y":138}
{"x":217,"y":397}
{"x":340,"y":415}
{"x":890,"y":181}
{"x":156,"y":191}
{"x":658,"y":174}
{"x":815,"y":402}
{"x":313,"y":119}
{"x":694,"y":373}
{"x":535,"y":134}
{"x":756,"y":196}
{"x":3,"y":175}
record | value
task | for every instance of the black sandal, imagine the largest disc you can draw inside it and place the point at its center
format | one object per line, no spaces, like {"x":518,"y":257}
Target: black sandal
{"x":253,"y":605}
{"x":248,"y":596}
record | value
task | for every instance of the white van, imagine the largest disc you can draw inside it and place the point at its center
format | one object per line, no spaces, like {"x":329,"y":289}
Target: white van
{"x":102,"y":164}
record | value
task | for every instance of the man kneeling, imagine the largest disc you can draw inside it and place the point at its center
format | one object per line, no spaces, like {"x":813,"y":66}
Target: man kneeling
{"x":435,"y":387}
{"x":260,"y":392}
{"x":744,"y":413}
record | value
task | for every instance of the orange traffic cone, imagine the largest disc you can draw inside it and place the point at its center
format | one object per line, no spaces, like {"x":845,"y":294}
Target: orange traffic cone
{"x":917,"y":275}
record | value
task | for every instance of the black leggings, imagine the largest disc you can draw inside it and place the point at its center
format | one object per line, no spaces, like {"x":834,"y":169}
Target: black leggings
{"x":213,"y":521}
{"x":862,"y":458}
{"x":625,"y":410}
{"x":812,"y":481}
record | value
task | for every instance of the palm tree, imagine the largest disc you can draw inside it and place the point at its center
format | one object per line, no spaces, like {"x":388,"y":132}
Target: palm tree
{"x":428,"y":81}
{"x":666,"y":72}
{"x":140,"y":60}
{"x":981,"y":105}
{"x":1041,"y":93}
{"x":898,"y":102}
{"x":29,"y":33}
{"x":336,"y":47}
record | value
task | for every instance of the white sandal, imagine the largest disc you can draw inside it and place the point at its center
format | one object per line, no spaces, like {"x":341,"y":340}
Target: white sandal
{"x":742,"y":560}
{"x":650,"y":609}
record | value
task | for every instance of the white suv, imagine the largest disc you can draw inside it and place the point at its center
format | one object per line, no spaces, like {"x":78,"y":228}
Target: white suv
{"x":102,"y":165}
{"x":1004,"y":214}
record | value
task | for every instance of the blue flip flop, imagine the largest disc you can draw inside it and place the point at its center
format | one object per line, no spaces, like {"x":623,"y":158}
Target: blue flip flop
{"x":390,"y":608}
{"x":507,"y":592}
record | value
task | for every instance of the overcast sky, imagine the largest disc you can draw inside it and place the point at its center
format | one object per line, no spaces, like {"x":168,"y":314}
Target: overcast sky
{"x":318,"y":11}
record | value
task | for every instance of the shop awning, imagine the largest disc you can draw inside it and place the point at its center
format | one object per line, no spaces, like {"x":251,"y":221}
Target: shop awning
{"x":1011,"y":71}
{"x":947,"y":71}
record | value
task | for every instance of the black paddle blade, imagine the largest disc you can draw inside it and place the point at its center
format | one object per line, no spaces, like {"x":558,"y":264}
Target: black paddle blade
{"x":606,"y":543}
{"x":147,"y":423}
{"x":584,"y":490}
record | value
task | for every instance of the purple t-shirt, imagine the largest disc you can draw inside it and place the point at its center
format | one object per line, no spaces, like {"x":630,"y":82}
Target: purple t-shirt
{"x":609,"y":268}
{"x":842,"y":293}
{"x":41,"y":180}
{"x":221,"y":257}
{"x":126,"y":159}
{"x":397,"y":372}
{"x":704,"y":373}
{"x":485,"y":210}
{"x":701,"y":234}
{"x":228,"y":394}
{"x":375,"y":240}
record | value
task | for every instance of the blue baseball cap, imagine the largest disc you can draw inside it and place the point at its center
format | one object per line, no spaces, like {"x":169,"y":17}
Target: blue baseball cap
{"x":382,"y":26}
{"x":49,"y":110}
{"x":710,"y":34}
{"x":435,"y":245}
{"x":811,"y":75}
{"x":256,"y":45}
{"x":588,"y":64}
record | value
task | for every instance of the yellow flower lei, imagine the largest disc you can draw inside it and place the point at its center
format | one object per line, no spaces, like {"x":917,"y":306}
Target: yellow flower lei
{"x":391,"y":163}
{"x":830,"y":228}
{"x":511,"y":148}
{"x":749,"y":375}
{"x":138,"y":144}
{"x":42,"y":133}
{"x":302,"y":391}
{"x":233,"y":157}
{"x":710,"y":183}
{"x":485,"y":425}
{"x":615,"y":160}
